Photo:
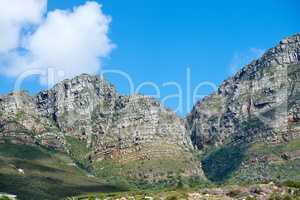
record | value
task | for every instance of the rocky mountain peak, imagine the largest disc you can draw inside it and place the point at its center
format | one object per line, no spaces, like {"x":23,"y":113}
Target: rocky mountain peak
{"x":291,"y":39}
{"x":286,"y":52}
{"x":110,"y":127}
{"x":75,"y":99}
{"x":255,"y":103}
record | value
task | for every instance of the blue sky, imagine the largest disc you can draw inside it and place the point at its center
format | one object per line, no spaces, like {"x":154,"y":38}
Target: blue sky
{"x":157,"y":40}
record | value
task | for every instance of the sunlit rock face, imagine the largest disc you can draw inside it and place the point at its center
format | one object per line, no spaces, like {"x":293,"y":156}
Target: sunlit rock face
{"x":89,"y":107}
{"x":21,"y":122}
{"x":260,"y":102}
{"x":71,"y":103}
{"x":111,"y":126}
{"x":249,"y":129}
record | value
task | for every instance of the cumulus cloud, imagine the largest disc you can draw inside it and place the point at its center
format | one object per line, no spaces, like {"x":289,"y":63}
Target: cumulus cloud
{"x":16,"y":15}
{"x":69,"y":42}
{"x":241,"y":59}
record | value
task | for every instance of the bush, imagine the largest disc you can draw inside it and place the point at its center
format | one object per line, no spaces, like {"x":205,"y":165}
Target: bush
{"x":91,"y":198}
{"x":172,"y":198}
{"x":234,"y":193}
{"x":20,"y":115}
{"x":292,"y":184}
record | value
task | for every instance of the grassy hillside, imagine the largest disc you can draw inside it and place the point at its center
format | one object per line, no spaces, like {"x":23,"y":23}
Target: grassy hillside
{"x":259,"y":162}
{"x":47,"y":174}
{"x":265,"y":162}
{"x":132,"y":172}
{"x":219,"y":164}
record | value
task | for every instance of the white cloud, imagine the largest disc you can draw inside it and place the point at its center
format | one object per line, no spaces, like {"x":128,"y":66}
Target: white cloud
{"x":15,"y":15}
{"x":68,"y":41}
{"x":241,"y":59}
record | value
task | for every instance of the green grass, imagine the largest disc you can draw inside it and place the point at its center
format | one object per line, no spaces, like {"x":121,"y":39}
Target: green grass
{"x":78,"y":151}
{"x":23,"y":152}
{"x":134,"y":174}
{"x":292,"y":184}
{"x":265,"y":149}
{"x":270,"y":166}
{"x":49,"y":175}
{"x":158,"y":173}
{"x":20,"y":115}
{"x":4,"y":198}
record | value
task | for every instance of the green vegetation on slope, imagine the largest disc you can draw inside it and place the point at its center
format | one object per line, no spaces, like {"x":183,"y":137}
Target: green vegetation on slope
{"x":78,"y":151}
{"x":133,"y":173}
{"x":47,"y":174}
{"x":267,"y":162}
{"x":220,"y":164}
{"x":145,"y":174}
{"x":260,"y":162}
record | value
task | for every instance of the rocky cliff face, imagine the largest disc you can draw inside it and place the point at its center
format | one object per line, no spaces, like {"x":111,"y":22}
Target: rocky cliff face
{"x":21,"y":122}
{"x":71,"y":104}
{"x":89,"y":112}
{"x":90,"y":109}
{"x":261,"y":102}
{"x":252,"y":122}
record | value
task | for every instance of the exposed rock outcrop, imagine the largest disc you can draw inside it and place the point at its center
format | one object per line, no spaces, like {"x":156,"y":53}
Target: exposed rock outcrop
{"x":112,"y":127}
{"x":21,"y":122}
{"x":260,"y":102}
{"x":252,"y":120}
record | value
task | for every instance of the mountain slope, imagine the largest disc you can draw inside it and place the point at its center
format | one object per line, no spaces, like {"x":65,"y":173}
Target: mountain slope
{"x":247,"y":131}
{"x":33,"y":172}
{"x":259,"y":106}
{"x":110,"y":135}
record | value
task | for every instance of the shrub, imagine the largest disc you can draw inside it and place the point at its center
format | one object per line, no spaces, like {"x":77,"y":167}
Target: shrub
{"x":234,"y":193}
{"x":91,"y":198}
{"x":19,"y":115}
{"x":292,"y":184}
{"x":172,"y":198}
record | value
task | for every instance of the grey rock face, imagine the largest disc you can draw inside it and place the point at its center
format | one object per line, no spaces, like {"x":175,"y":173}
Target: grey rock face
{"x":142,"y":121}
{"x":72,"y":102}
{"x":261,"y":102}
{"x":90,"y":109}
{"x":112,"y":126}
{"x":21,"y":122}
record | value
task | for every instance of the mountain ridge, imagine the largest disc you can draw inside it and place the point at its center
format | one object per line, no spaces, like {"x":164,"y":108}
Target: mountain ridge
{"x":285,"y":53}
{"x":252,"y":112}
{"x":121,"y":130}
{"x":247,"y":131}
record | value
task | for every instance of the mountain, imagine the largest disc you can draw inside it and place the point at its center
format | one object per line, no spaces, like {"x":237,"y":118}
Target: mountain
{"x":86,"y":137}
{"x":133,"y":139}
{"x":134,"y":131}
{"x":252,"y":122}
